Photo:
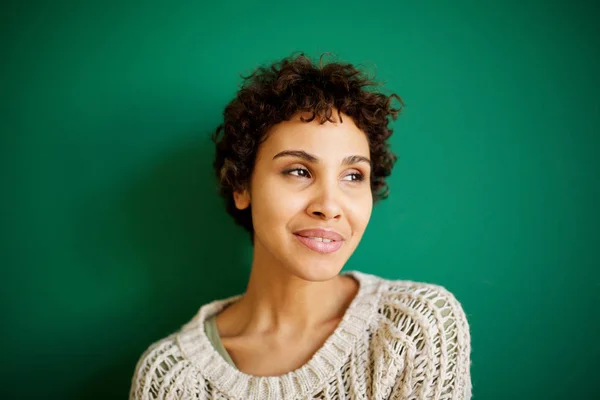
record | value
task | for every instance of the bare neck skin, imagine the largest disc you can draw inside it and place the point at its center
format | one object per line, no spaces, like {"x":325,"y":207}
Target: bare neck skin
{"x":277,"y":303}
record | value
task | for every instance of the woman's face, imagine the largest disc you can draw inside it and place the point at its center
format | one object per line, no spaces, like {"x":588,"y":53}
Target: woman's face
{"x":309,"y":176}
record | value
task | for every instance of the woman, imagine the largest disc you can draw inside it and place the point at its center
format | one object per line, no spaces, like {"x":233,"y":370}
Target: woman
{"x":302,"y":158}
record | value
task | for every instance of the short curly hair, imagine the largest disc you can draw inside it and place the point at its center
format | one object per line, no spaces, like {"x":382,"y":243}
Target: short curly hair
{"x":275,"y":93}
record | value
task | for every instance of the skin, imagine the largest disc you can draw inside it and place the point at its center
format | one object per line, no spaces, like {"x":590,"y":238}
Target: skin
{"x":295,"y":296}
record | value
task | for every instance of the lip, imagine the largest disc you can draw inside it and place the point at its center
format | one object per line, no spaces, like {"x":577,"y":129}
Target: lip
{"x":320,"y":247}
{"x":315,"y":245}
{"x":322,"y":233}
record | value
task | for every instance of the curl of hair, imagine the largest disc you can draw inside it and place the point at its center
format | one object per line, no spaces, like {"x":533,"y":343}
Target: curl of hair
{"x":275,"y":93}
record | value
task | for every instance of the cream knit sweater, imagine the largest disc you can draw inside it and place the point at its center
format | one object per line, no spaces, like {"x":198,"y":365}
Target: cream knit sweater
{"x":397,"y":340}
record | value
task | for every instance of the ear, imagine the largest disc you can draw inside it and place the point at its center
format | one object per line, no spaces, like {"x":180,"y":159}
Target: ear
{"x":241,"y":199}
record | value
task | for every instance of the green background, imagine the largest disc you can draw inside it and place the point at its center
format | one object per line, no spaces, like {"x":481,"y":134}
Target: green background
{"x":112,"y":235}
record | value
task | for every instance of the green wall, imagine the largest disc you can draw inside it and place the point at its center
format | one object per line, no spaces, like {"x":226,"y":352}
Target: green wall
{"x":112,"y":236}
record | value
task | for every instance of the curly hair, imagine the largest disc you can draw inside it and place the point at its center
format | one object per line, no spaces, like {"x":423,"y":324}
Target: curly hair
{"x":276,"y":93}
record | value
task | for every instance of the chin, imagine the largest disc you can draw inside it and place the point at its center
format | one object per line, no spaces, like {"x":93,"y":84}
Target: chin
{"x":316,"y":271}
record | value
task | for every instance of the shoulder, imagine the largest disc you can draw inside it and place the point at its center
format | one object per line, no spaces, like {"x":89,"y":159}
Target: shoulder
{"x":428,"y":298}
{"x":170,"y":367}
{"x":151,"y":379}
{"x":431,"y":325}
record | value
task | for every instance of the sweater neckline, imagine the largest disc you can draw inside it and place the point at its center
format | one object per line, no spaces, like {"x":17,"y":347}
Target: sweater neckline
{"x":300,"y":383}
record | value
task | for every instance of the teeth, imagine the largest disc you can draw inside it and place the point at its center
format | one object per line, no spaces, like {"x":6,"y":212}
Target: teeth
{"x":321,"y":239}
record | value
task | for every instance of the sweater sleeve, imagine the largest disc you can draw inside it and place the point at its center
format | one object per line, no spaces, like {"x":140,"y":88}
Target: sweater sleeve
{"x":430,"y":325}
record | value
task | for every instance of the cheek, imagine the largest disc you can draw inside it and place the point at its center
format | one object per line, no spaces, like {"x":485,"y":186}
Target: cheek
{"x":360,"y":213}
{"x":273,"y":208}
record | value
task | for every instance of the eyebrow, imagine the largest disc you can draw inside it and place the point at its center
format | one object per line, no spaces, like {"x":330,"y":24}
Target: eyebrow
{"x":355,"y":159}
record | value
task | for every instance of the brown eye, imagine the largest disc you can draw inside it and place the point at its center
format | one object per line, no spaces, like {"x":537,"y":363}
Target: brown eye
{"x":357,"y":177}
{"x":301,"y":172}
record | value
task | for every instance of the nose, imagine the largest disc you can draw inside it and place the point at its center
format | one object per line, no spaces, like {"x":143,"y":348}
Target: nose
{"x":325,"y":203}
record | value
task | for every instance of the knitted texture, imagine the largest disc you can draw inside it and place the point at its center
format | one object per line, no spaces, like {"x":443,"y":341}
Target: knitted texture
{"x":397,"y":340}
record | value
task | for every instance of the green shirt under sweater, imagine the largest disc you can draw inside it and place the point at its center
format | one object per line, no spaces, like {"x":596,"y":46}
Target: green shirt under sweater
{"x":210,"y":327}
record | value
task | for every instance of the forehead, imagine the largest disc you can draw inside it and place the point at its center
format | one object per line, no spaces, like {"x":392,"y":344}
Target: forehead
{"x":327,"y":139}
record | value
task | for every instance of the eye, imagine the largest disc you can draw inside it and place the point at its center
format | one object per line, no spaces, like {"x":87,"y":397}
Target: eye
{"x":357,"y":177}
{"x":304,"y":173}
{"x":301,"y":172}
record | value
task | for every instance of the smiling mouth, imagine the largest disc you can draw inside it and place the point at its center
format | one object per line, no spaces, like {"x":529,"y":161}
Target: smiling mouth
{"x":319,"y":244}
{"x":319,"y":239}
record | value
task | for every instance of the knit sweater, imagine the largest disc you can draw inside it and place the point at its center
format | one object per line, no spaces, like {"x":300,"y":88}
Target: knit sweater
{"x":398,"y":339}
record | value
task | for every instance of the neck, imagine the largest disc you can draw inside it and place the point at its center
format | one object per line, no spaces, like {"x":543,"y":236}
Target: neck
{"x":278,"y":302}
